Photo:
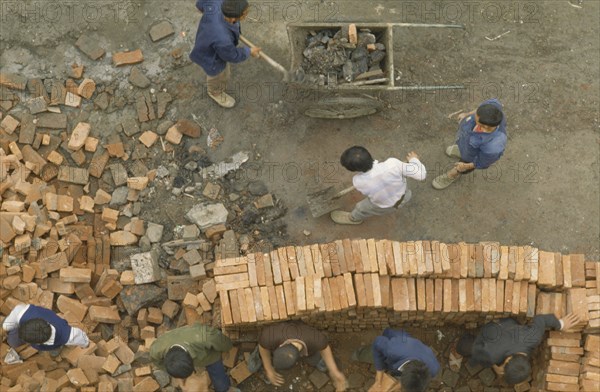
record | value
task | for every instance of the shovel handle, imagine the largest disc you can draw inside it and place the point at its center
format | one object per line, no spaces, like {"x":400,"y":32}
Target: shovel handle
{"x":343,"y":192}
{"x":264,"y":56}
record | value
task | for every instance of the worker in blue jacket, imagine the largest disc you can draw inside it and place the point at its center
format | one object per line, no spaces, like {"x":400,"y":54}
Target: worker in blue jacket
{"x":409,"y":360}
{"x":216,"y":44}
{"x":480,"y":142}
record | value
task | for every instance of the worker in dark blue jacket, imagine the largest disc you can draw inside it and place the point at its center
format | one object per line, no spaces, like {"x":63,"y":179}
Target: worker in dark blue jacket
{"x":480,"y":142}
{"x":409,"y":360}
{"x":216,"y":44}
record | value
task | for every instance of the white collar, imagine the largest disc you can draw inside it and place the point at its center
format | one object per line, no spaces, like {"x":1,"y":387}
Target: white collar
{"x":50,"y":341}
{"x":303,"y":352}
{"x":404,"y":364}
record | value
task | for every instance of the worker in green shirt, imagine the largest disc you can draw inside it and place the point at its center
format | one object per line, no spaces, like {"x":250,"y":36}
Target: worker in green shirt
{"x":183,"y":350}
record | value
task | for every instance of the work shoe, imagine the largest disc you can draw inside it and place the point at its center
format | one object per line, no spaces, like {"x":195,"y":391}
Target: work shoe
{"x":453,"y":152}
{"x":224,"y":100}
{"x":443,"y":181}
{"x":343,"y":218}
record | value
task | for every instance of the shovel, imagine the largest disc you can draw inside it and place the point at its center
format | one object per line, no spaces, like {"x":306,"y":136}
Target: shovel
{"x":325,"y":200}
{"x":268,"y":59}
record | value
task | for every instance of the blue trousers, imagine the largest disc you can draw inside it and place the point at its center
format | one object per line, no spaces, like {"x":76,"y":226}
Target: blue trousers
{"x":218,"y":376}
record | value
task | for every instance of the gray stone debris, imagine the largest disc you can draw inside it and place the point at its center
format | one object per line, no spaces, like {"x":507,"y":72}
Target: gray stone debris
{"x":329,"y":58}
{"x":145,"y":244}
{"x":161,"y":30}
{"x":119,"y":196}
{"x":220,"y":169}
{"x":190,"y":232}
{"x":162,"y":378}
{"x":162,"y":172}
{"x":154,"y":232}
{"x":164,"y":126}
{"x":129,"y":126}
{"x":140,"y":296}
{"x":207,"y":215}
{"x":145,"y":267}
{"x":191,"y":166}
{"x":119,"y":173}
{"x":138,"y":79}
{"x":37,"y":105}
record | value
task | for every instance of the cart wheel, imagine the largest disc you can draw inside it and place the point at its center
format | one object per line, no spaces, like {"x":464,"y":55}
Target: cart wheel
{"x":343,"y":107}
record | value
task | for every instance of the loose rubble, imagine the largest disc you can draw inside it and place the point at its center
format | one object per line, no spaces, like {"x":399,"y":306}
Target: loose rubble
{"x":344,"y":56}
{"x":85,"y":228}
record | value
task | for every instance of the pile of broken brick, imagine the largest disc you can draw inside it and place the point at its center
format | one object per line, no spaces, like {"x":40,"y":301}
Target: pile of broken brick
{"x":71,"y":234}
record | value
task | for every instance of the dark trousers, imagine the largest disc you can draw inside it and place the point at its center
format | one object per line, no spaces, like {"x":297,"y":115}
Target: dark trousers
{"x":218,"y":376}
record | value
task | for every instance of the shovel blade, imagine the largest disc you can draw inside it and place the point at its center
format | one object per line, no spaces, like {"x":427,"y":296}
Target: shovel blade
{"x":322,"y":202}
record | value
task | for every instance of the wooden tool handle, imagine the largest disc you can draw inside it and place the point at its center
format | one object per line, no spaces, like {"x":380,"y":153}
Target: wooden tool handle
{"x":263,"y":55}
{"x":343,"y":192}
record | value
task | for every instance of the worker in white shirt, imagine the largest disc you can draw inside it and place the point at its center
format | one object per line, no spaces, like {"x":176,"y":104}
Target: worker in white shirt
{"x":383,"y":184}
{"x":41,"y":328}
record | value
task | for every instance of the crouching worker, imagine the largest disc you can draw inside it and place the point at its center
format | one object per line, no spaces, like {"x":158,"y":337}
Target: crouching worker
{"x":402,"y":356}
{"x":506,"y":346}
{"x":184,"y":350}
{"x":282,"y":345}
{"x":41,"y":328}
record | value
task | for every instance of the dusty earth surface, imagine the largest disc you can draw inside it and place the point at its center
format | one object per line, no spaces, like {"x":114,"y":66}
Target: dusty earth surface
{"x":544,"y":69}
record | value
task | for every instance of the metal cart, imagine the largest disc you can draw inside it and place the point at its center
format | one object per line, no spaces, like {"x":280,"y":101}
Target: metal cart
{"x":351,"y":100}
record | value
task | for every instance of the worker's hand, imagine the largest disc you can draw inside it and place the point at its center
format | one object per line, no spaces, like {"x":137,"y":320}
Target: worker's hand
{"x":275,"y":378}
{"x":571,"y":322}
{"x":255,"y":51}
{"x":339,"y":381}
{"x":462,"y":116}
{"x":498,"y":369}
{"x":462,"y":166}
{"x":411,"y":155}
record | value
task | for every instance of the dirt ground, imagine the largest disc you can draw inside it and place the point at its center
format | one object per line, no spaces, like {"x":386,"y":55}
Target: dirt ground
{"x":544,"y":69}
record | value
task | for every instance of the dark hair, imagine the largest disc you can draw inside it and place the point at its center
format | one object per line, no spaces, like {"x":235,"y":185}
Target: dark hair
{"x":357,"y":158}
{"x":517,"y":369}
{"x":285,"y":357}
{"x":465,"y":345}
{"x":178,"y":362}
{"x":489,"y":115}
{"x":234,"y":8}
{"x":35,"y":331}
{"x":415,"y":377}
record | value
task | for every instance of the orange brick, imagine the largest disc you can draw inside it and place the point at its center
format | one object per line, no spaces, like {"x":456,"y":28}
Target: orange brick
{"x":75,"y":275}
{"x":104,"y":314}
{"x":124,"y":58}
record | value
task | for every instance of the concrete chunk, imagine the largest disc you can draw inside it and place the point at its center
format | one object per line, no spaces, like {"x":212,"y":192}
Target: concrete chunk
{"x":90,"y":47}
{"x":145,"y":267}
{"x":138,"y":79}
{"x":161,"y":30}
{"x":207,"y":215}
